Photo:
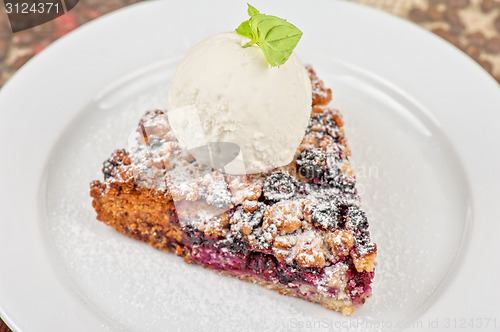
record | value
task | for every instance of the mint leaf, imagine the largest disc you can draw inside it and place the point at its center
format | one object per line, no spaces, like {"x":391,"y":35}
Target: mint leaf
{"x":245,"y":30}
{"x":251,"y":10}
{"x":275,"y":36}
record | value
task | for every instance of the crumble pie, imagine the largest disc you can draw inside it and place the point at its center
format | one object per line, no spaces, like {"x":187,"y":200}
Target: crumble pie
{"x":297,"y":229}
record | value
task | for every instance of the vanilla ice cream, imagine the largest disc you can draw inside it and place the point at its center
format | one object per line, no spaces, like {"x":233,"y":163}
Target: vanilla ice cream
{"x":222,"y":92}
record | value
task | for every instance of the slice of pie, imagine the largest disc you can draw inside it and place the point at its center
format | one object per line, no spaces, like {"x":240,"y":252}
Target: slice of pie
{"x":297,"y":229}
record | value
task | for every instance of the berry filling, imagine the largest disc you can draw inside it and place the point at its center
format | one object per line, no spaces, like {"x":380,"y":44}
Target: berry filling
{"x":224,"y":255}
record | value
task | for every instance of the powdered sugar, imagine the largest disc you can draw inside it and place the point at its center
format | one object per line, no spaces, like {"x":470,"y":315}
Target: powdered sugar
{"x":142,"y":289}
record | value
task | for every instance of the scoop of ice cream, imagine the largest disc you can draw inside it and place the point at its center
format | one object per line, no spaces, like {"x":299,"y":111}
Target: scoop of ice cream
{"x":222,"y":92}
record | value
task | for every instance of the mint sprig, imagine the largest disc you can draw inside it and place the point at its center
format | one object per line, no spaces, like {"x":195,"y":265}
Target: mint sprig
{"x":275,"y":36}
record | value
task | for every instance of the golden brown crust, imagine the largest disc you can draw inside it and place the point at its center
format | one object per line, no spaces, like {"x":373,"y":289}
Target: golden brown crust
{"x":342,"y":305}
{"x":321,"y":94}
{"x":137,"y":212}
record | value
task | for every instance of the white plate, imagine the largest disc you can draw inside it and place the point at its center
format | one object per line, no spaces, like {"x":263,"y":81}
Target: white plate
{"x":422,"y":119}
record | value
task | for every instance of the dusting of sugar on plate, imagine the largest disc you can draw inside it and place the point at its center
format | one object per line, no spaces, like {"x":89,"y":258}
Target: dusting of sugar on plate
{"x":412,"y":205}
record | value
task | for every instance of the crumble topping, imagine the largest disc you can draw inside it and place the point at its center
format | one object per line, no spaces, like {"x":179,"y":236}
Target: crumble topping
{"x":321,"y":94}
{"x":341,"y":241}
{"x":308,"y":252}
{"x":286,"y":216}
{"x":306,"y":213}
